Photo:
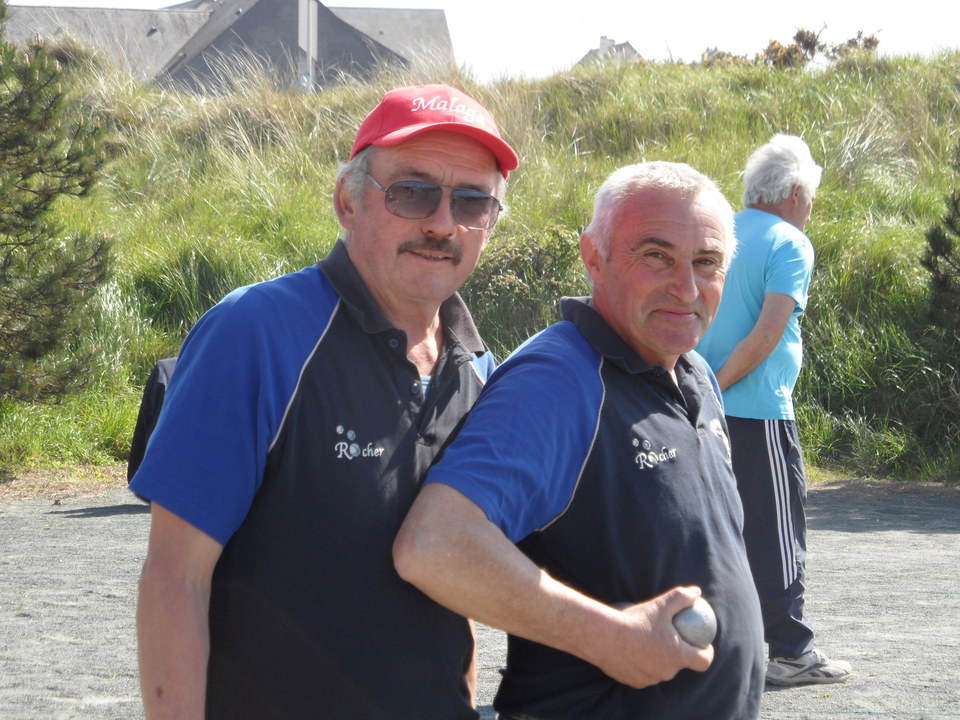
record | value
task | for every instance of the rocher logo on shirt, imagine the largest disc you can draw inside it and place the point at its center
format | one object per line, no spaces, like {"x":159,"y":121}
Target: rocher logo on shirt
{"x":350,"y":449}
{"x":648,"y":457}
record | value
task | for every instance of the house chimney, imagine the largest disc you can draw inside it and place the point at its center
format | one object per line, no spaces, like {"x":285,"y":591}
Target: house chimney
{"x":606,"y":45}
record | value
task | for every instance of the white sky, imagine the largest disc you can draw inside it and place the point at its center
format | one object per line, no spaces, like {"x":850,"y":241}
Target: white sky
{"x":536,"y":38}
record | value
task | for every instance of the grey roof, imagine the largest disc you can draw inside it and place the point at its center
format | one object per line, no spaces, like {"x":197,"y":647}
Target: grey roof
{"x":608,"y":50}
{"x":410,"y":33}
{"x":141,"y":41}
{"x":220,"y":16}
{"x":164,"y":42}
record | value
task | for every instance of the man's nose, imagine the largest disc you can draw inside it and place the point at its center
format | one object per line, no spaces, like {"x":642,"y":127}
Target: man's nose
{"x":683,"y":283}
{"x":441,"y":224}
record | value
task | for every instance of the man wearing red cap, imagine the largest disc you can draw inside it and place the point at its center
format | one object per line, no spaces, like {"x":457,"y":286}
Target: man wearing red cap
{"x":295,"y":433}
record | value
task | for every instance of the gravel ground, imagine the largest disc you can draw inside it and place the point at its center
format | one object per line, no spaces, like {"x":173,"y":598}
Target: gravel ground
{"x":882,"y":563}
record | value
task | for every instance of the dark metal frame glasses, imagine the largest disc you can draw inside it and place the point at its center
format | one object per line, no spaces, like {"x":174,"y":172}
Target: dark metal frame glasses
{"x":415,"y":200}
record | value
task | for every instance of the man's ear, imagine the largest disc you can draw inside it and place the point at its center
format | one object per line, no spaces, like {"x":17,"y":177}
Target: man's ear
{"x":344,"y":203}
{"x":590,"y":255}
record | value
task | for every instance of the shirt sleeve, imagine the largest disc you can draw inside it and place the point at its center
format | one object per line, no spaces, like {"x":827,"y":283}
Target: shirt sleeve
{"x":225,"y":403}
{"x":790,"y":269}
{"x":521,"y":451}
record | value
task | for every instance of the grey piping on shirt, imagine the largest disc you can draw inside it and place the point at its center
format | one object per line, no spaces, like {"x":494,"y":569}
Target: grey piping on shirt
{"x":589,"y":453}
{"x":473,"y":368}
{"x":303,"y":369}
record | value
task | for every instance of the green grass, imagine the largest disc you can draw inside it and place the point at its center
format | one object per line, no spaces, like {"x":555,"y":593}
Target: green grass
{"x":203,"y":194}
{"x":92,"y":427}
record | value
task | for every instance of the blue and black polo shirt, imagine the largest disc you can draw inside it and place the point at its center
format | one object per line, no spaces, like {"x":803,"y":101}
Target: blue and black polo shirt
{"x":618,"y":483}
{"x":296,"y":433}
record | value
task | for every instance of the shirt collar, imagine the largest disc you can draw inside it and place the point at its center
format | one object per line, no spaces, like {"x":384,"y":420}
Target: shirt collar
{"x":604,"y":339}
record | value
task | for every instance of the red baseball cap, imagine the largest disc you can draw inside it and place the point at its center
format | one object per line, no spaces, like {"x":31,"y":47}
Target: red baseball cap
{"x":406,"y":112}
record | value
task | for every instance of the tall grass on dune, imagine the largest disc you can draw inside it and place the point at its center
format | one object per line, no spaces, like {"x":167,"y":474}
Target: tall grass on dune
{"x":208,"y":192}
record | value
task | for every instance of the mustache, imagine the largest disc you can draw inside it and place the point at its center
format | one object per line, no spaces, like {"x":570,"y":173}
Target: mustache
{"x":429,"y":245}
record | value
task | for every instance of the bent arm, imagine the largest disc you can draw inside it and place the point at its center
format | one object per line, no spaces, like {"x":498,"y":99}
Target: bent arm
{"x":450,"y":550}
{"x":760,"y":342}
{"x":172,"y":617}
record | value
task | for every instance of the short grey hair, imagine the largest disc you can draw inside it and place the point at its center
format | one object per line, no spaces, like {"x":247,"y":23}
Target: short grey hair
{"x":631,"y":180}
{"x":775,"y":169}
{"x":353,"y":173}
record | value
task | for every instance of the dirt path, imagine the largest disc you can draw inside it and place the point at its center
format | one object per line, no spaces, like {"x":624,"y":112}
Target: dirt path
{"x":882,"y":569}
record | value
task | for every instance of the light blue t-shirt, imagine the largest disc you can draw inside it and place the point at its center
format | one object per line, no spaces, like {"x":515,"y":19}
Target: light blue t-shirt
{"x":773,"y":257}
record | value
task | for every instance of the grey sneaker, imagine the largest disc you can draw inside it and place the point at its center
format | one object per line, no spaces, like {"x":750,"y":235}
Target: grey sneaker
{"x":811,"y":668}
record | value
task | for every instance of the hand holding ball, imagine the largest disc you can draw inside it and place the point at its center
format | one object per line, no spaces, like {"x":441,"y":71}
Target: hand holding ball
{"x":696,"y":624}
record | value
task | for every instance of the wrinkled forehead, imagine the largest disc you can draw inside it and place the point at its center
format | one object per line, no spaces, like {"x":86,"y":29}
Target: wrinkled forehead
{"x":443,"y":157}
{"x":697,"y":222}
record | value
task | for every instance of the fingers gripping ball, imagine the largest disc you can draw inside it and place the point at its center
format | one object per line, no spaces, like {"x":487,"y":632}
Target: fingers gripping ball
{"x":697,"y":624}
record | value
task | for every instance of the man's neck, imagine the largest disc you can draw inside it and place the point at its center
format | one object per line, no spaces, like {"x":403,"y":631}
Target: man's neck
{"x":785,"y":210}
{"x":424,"y":346}
{"x":418,"y":318}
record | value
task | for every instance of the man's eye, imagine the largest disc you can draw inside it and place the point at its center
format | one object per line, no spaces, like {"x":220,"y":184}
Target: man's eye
{"x":656,"y":256}
{"x":709,"y":265}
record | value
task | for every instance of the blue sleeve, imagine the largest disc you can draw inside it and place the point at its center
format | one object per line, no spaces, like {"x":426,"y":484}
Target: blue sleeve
{"x":522,"y":448}
{"x":236,"y":372}
{"x":790,"y":268}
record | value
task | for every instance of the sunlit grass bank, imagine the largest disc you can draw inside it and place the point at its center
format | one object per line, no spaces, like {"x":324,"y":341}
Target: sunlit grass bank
{"x":207,"y":193}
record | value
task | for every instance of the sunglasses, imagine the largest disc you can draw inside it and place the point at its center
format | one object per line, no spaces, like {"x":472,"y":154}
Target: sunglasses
{"x":415,"y":200}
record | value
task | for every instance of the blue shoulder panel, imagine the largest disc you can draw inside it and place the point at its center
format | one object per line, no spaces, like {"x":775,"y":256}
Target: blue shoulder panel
{"x":523,"y":446}
{"x":236,"y":374}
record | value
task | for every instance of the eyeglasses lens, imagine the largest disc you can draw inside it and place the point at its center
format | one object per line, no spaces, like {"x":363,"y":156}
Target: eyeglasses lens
{"x":417,"y":200}
{"x":413,"y":200}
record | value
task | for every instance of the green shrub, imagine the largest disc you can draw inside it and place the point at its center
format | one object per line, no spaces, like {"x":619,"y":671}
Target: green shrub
{"x":514,"y":291}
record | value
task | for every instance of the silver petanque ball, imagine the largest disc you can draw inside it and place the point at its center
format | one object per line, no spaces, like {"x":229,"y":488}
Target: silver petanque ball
{"x":697,"y":624}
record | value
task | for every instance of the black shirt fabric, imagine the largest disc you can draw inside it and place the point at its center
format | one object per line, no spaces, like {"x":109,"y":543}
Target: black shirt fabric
{"x":308,"y":616}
